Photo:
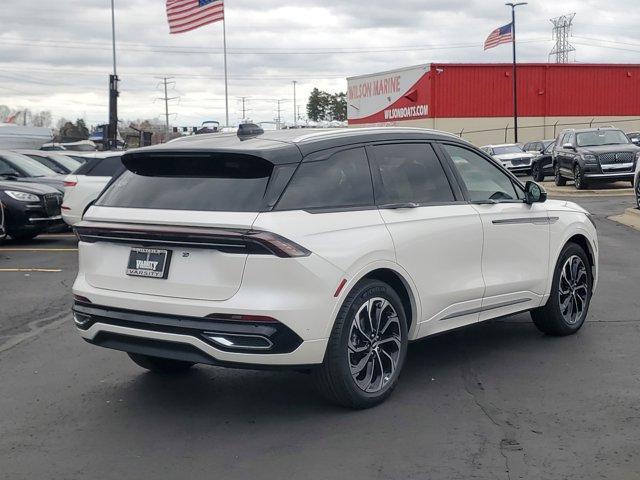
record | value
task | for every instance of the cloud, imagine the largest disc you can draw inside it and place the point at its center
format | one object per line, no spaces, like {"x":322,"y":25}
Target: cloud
{"x":57,"y":55}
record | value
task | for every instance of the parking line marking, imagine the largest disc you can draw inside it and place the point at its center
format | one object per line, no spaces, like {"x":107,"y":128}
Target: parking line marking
{"x":38,"y":249}
{"x":30,"y":270}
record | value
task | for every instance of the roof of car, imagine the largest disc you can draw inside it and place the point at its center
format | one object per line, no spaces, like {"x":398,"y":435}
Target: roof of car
{"x":583,"y":130}
{"x":287,"y":146}
{"x":502,"y":145}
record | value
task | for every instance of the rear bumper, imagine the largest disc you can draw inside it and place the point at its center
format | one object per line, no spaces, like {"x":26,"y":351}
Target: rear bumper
{"x":198,"y":340}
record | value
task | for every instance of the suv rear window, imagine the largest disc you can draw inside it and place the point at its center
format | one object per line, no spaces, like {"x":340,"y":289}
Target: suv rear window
{"x":208,"y":182}
{"x":106,"y":167}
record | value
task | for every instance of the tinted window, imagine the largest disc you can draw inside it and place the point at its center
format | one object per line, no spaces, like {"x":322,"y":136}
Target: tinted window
{"x":6,"y":169}
{"x":343,"y":180}
{"x":47,"y":162}
{"x":28,"y":165}
{"x":232,"y":183}
{"x":484,"y":181}
{"x":107,"y":167}
{"x":409,"y":173}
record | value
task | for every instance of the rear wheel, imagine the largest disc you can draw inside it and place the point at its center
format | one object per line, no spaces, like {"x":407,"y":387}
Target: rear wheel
{"x":367,"y":347}
{"x":537,"y":173}
{"x":578,"y":177}
{"x":568,"y":304}
{"x":160,"y":365}
{"x":559,"y":180}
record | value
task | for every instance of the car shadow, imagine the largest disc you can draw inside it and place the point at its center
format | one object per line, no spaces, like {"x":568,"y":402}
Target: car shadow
{"x":241,"y":394}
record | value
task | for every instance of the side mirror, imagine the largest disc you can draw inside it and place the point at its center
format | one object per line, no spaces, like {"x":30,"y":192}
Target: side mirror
{"x":534,"y":193}
{"x":568,"y":146}
{"x":635,"y":140}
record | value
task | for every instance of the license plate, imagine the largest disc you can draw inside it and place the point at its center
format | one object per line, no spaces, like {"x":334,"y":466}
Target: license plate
{"x":149,"y":262}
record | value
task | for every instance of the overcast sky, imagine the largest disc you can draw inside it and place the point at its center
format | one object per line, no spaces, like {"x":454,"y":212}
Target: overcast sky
{"x":57,"y":55}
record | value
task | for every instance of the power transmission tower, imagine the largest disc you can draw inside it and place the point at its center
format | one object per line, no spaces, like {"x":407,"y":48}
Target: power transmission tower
{"x":279,"y":117}
{"x":561,"y":33}
{"x":166,"y":82}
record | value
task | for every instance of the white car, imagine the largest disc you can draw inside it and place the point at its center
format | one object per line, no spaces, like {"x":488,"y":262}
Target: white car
{"x":511,"y":156}
{"x":326,"y":252}
{"x":85,"y":184}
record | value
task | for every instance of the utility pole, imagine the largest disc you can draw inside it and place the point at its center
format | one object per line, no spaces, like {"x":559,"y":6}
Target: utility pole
{"x":112,"y":131}
{"x":279,"y":118}
{"x":515,"y":69}
{"x":166,"y":82}
{"x":561,"y":33}
{"x":295,"y":116}
{"x":244,"y":109}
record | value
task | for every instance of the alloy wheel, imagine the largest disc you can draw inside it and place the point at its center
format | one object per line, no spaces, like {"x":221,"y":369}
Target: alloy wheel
{"x":375,"y":345}
{"x":577,"y":176}
{"x":573,"y":290}
{"x":638,"y":192}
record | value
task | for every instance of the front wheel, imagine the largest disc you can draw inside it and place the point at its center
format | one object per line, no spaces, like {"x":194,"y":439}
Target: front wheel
{"x":537,"y":173}
{"x":160,"y":365}
{"x":568,"y":304}
{"x":560,"y":181}
{"x":578,"y":177}
{"x":367,"y":347}
{"x":637,"y":185}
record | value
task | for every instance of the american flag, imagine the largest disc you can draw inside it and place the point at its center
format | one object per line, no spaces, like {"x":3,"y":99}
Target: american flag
{"x":187,"y":15}
{"x":499,"y":35}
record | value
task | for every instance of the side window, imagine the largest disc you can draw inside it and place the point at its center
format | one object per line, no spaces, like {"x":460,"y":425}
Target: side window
{"x":484,"y":181}
{"x":6,"y":169}
{"x":107,"y":167}
{"x":343,"y":180}
{"x":409,"y":173}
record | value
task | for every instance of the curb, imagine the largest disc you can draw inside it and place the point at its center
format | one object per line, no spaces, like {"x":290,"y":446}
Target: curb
{"x":630,"y":218}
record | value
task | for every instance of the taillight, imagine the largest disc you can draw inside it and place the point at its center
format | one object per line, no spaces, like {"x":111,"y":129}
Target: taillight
{"x":280,"y":246}
{"x":68,"y":183}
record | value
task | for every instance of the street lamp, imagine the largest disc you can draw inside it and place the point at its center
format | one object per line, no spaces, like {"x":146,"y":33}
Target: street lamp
{"x":515,"y":70}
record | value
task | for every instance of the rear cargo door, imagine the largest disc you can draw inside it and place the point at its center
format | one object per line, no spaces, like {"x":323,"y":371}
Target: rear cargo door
{"x":183,"y":213}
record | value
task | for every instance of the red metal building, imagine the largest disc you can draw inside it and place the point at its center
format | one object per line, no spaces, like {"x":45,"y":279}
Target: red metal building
{"x":458,"y":97}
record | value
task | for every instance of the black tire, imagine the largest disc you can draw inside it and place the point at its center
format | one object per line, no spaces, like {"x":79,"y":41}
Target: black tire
{"x":559,"y":180}
{"x":537,"y":172}
{"x":24,"y":237}
{"x":578,"y":177}
{"x":637,"y":187}
{"x":160,"y":365}
{"x":334,"y":377}
{"x":550,"y":319}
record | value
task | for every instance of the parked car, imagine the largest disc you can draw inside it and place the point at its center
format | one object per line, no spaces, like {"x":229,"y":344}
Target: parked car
{"x":538,"y":146}
{"x":85,"y":184}
{"x":325,"y":252}
{"x":511,"y":156}
{"x":25,"y":169}
{"x":542,"y":164}
{"x":59,"y":163}
{"x":28,"y":209}
{"x":594,"y":154}
{"x":634,"y":137}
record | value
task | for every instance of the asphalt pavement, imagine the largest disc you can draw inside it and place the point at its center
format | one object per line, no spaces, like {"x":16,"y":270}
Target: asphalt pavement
{"x":497,"y":400}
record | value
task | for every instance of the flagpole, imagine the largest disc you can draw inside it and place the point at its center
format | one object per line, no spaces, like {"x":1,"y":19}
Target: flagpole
{"x":515,"y":69}
{"x":226,"y":79}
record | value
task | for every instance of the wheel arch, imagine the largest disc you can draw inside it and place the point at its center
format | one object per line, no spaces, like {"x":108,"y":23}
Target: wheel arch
{"x":398,"y":279}
{"x":582,"y":240}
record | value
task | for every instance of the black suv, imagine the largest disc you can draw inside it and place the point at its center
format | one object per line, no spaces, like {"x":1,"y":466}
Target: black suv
{"x":593,"y":154}
{"x":28,"y":209}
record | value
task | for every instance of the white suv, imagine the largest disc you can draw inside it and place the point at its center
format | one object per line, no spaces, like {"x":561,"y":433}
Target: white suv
{"x":325,"y":252}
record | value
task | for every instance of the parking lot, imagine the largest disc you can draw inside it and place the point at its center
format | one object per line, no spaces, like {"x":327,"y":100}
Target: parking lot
{"x":497,"y":400}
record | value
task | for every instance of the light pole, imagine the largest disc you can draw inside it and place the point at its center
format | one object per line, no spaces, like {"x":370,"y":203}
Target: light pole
{"x":112,"y":130}
{"x":515,"y":70}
